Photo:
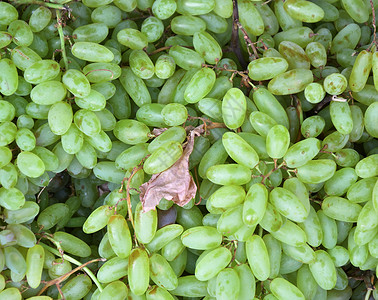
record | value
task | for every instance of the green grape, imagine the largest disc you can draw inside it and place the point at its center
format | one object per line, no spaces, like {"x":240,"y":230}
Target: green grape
{"x":138,"y":271}
{"x":21,"y":32}
{"x":285,"y":290}
{"x":323,"y":270}
{"x":370,"y":120}
{"x":109,"y":14}
{"x":212,"y":263}
{"x":340,"y":182}
{"x":358,"y":10}
{"x":304,"y":11}
{"x":227,"y":196}
{"x":316,"y":52}
{"x":162,"y":273}
{"x":367,"y":167}
{"x":266,"y":68}
{"x":135,"y":87}
{"x":25,"y":139}
{"x":294,"y":55}
{"x":258,"y":257}
{"x":76,"y":82}
{"x":360,"y":71}
{"x":347,"y":37}
{"x":187,"y":25}
{"x":227,"y":284}
{"x":132,"y":38}
{"x":8,"y":77}
{"x":114,"y":290}
{"x":95,"y":33}
{"x":101,"y":72}
{"x":174,"y":114}
{"x":141,"y":64}
{"x":163,"y":9}
{"x":290,"y":82}
{"x":199,"y":85}
{"x":209,"y":48}
{"x":312,"y":126}
{"x":92,"y":52}
{"x":335,"y":84}
{"x":195,"y":7}
{"x":95,"y":101}
{"x":277,"y":141}
{"x":113,"y":269}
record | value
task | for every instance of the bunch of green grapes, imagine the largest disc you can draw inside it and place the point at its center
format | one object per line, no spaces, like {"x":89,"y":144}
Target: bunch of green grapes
{"x":279,"y":101}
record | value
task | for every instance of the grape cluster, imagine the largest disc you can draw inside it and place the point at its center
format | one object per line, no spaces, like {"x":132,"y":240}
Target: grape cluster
{"x":188,"y":149}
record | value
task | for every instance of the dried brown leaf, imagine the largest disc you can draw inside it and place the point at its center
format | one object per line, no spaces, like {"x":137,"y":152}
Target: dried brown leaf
{"x":175,"y":184}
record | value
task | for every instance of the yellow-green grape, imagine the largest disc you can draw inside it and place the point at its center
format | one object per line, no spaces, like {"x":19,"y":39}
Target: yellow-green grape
{"x":258,"y":257}
{"x":239,"y":150}
{"x":335,"y":84}
{"x":101,"y":72}
{"x":302,"y":152}
{"x":358,"y":10}
{"x":135,"y":87}
{"x":76,"y":82}
{"x":227,"y":196}
{"x":303,"y":253}
{"x":255,"y":204}
{"x":163,"y":9}
{"x":8,"y":13}
{"x":42,"y":70}
{"x":26,"y":213}
{"x":187,"y":25}
{"x":316,"y":171}
{"x":212,"y":263}
{"x":285,"y":290}
{"x":207,"y":46}
{"x":7,"y":112}
{"x":92,"y":52}
{"x":163,"y":236}
{"x":157,"y":293}
{"x":294,"y":55}
{"x":106,"y":170}
{"x":367,"y":167}
{"x":164,"y":66}
{"x":290,"y":233}
{"x":375,"y":69}
{"x":11,"y":293}
{"x":201,"y":238}
{"x":60,"y":118}
{"x":250,"y":18}
{"x":348,"y":37}
{"x":5,"y":156}
{"x":163,"y":158}
{"x":21,"y":32}
{"x":116,"y":290}
{"x":339,"y":255}
{"x":8,"y":176}
{"x":290,"y":82}
{"x":174,"y":114}
{"x":72,"y":244}
{"x":229,"y":174}
{"x":341,"y":209}
{"x":304,"y":11}
{"x":150,"y":114}
{"x":34,"y":265}
{"x":341,"y":117}
{"x":360,"y":71}
{"x":77,"y":287}
{"x":227,"y":284}
{"x":312,"y":126}
{"x":277,"y":141}
{"x":94,"y":33}
{"x":268,"y":104}
{"x":162,"y":273}
{"x":15,"y":261}
{"x":194,"y":7}
{"x":138,"y":271}
{"x":199,"y":85}
{"x":370,"y":120}
{"x":24,"y":236}
{"x":30,"y":164}
{"x":119,"y":236}
{"x":312,"y":227}
{"x":48,"y":92}
{"x":323,"y":270}
{"x":340,"y":182}
{"x":215,"y":23}
{"x":266,"y":68}
{"x":8,"y":77}
{"x":317,"y":54}
{"x":113,"y":269}
{"x":141,"y":64}
{"x":186,"y":58}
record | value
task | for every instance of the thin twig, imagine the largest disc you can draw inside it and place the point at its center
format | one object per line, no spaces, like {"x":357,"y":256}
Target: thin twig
{"x":235,"y":36}
{"x":248,"y":41}
{"x":74,"y":261}
{"x":374,"y":26}
{"x":58,"y":280}
{"x":61,"y":36}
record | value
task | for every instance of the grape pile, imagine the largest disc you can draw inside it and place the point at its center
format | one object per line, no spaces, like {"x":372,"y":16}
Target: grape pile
{"x":188,"y":149}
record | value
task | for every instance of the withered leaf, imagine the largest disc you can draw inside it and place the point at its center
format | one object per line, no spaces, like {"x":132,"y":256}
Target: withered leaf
{"x":175,"y":183}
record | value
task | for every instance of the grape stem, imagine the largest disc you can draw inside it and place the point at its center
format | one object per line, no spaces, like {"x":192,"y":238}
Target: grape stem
{"x":273,"y":170}
{"x":61,"y":36}
{"x":374,"y":26}
{"x":235,"y":36}
{"x":74,"y":261}
{"x":367,"y":296}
